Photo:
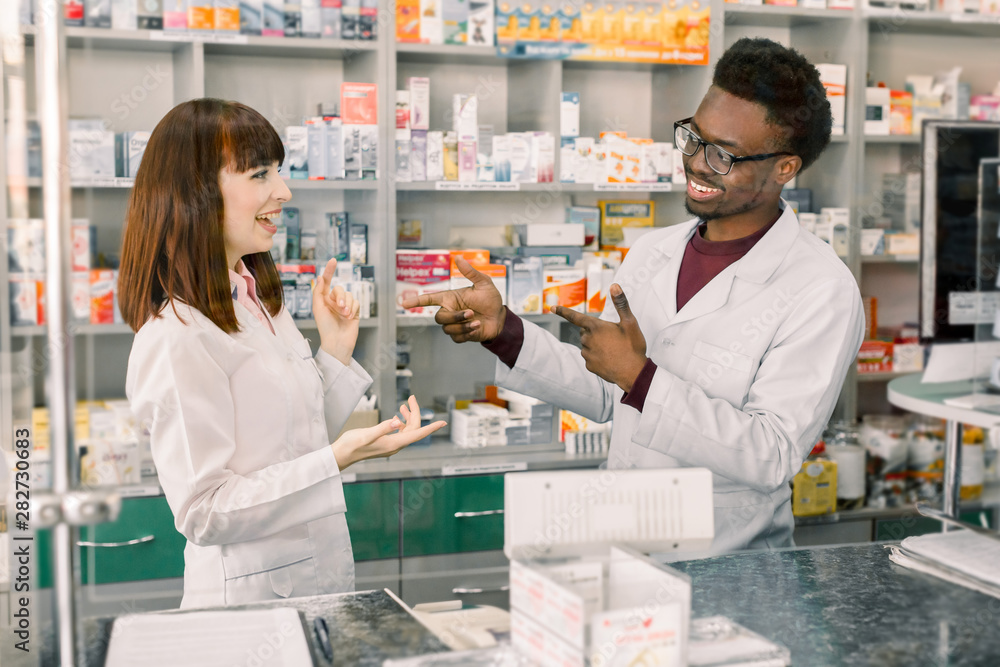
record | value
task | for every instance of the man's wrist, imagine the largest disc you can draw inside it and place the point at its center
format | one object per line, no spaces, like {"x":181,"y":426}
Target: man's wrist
{"x":501,"y":321}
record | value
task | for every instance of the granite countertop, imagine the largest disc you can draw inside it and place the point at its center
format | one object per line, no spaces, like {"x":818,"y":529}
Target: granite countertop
{"x":848,"y":605}
{"x":366,"y":628}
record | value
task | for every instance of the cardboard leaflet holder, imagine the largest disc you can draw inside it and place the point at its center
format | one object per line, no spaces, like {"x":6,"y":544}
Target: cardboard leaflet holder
{"x":581,"y":591}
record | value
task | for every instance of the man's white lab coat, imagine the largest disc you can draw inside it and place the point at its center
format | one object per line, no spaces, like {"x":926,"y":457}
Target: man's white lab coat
{"x":749,"y":371}
{"x":239,"y":427}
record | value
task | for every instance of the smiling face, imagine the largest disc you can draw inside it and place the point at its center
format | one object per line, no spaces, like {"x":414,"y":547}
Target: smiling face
{"x":748,"y":195}
{"x":252,"y":204}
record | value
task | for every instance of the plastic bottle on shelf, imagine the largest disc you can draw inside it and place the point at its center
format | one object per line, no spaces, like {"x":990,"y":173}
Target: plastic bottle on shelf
{"x":925,"y":476}
{"x":843,"y":446}
{"x":973,"y":464}
{"x":884,"y":438}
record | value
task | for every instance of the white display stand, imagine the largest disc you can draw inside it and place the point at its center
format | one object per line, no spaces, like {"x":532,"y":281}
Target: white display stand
{"x":910,"y":393}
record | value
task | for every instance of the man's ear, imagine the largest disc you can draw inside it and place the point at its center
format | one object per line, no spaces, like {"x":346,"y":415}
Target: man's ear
{"x":786,"y":168}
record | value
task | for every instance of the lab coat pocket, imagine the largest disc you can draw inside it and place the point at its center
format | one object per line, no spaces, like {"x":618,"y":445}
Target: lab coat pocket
{"x":304,"y":352}
{"x":721,"y":373}
{"x":268,"y":569}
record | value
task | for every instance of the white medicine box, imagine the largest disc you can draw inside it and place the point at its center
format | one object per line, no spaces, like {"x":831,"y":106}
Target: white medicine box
{"x":581,"y":590}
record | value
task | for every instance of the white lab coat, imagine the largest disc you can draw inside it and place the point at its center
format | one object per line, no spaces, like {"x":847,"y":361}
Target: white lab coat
{"x":749,"y":371}
{"x":239,"y":430}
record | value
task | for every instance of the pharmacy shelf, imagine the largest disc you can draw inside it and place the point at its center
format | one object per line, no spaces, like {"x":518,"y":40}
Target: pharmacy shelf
{"x":839,"y":139}
{"x":882,"y":377}
{"x":123,"y":329}
{"x":554,"y":188}
{"x":777,"y":16}
{"x":889,"y":259}
{"x":292,"y":47}
{"x":892,"y":139}
{"x":160,"y":40}
{"x":448,"y":53}
{"x":428,"y":321}
{"x":906,"y":21}
{"x":119,"y":183}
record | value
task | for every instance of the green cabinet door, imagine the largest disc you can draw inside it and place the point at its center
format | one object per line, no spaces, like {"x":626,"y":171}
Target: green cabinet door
{"x":373,"y":519}
{"x":161,"y":557}
{"x":128,"y":553}
{"x":452,"y":515}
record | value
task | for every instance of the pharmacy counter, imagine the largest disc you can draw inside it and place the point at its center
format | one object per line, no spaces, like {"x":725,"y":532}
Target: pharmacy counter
{"x":365,"y":629}
{"x":848,"y":605}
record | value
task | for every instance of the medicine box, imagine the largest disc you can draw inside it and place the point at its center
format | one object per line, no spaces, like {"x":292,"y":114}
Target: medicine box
{"x":420,"y":102}
{"x":421,"y":272}
{"x":480,"y":30}
{"x":564,"y":286}
{"x":251,"y":17}
{"x":574,"y":598}
{"x":331,"y":18}
{"x":407,"y":20}
{"x":455,"y":20}
{"x":615,"y":215}
{"x":834,"y":79}
{"x":590,"y":218}
{"x":431,"y":22}
{"x":547,"y":234}
{"x":435,"y":156}
{"x":297,"y":151}
{"x":525,"y":280}
{"x":149,"y":15}
{"x":877,"y":116}
{"x":418,"y":155}
{"x":273,"y":19}
{"x":569,"y":115}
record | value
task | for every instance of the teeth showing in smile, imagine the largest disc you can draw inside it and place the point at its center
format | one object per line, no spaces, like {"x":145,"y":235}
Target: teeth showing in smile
{"x":702,"y":188}
{"x":269,"y":216}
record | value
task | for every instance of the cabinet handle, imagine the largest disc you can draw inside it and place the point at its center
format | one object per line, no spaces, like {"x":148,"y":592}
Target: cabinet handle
{"x":139,"y":540}
{"x":466,"y":515}
{"x":473,"y":591}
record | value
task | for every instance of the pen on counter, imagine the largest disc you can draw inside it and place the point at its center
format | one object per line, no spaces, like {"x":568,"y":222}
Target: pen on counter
{"x":323,"y":637}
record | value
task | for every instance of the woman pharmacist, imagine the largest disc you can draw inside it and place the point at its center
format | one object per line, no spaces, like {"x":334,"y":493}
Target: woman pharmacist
{"x":739,"y":326}
{"x":239,"y":411}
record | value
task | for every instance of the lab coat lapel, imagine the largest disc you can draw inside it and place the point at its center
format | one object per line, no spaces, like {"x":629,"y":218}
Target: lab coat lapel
{"x":664,"y":282}
{"x":756,"y":266}
{"x":709,"y":298}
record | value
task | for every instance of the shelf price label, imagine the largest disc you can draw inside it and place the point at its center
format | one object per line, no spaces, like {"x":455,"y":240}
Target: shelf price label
{"x":179,"y":36}
{"x":483,"y":468}
{"x":477,"y":187}
{"x":632,"y":187}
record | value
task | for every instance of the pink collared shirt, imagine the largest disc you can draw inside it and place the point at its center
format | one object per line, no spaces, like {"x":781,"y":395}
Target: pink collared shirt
{"x":244,"y":289}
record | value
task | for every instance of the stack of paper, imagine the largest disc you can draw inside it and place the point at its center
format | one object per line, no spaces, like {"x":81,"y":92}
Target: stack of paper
{"x":962,"y":557}
{"x":264,"y":637}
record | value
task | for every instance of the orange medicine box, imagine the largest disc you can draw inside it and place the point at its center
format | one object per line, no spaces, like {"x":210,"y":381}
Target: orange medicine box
{"x":201,"y":15}
{"x":564,"y":286}
{"x":102,"y":296}
{"x":227,"y":16}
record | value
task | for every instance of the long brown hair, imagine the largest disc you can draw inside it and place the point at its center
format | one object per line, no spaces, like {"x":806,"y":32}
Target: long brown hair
{"x":173,"y":246}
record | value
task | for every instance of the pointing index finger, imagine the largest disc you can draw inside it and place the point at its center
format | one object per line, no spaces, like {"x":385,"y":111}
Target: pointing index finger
{"x":423,"y":300}
{"x":573,"y":317}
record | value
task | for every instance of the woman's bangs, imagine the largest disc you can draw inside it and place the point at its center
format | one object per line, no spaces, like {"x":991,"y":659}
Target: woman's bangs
{"x":249,"y":141}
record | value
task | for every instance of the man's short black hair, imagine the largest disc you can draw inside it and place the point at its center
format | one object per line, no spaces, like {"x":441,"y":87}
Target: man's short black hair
{"x":786,"y":85}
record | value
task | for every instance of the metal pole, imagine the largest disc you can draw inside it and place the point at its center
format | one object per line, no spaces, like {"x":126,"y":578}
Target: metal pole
{"x":952,"y":467}
{"x":50,"y":56}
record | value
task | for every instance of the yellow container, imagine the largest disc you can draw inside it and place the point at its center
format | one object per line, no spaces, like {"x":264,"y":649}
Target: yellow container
{"x":814,"y":489}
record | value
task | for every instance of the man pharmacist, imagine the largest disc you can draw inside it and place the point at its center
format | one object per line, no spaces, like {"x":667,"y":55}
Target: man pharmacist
{"x":727,"y":338}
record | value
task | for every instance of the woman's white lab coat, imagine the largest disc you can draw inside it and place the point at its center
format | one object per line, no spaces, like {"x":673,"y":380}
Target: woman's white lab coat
{"x":240,"y":431}
{"x":748,"y":371}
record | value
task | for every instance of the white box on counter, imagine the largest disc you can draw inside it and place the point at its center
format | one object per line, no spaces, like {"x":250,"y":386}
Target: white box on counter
{"x":577,"y":599}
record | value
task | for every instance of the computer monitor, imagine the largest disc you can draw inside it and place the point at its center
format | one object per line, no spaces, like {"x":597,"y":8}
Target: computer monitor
{"x":950,"y":301}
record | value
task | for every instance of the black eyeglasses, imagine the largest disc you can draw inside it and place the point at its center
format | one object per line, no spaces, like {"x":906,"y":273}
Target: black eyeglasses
{"x":718,"y":158}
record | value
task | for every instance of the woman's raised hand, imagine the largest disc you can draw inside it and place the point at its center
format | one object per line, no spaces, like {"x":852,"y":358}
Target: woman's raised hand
{"x":337,"y":316}
{"x":383,"y":439}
